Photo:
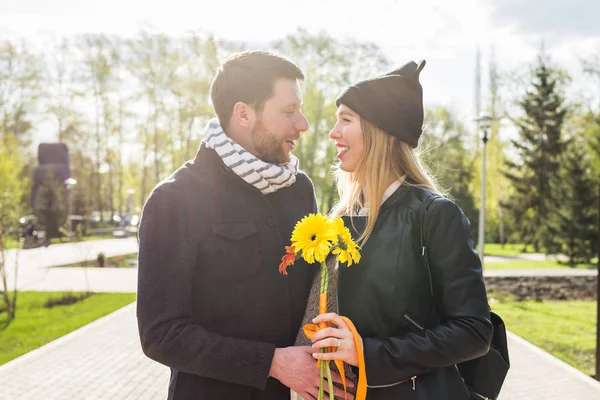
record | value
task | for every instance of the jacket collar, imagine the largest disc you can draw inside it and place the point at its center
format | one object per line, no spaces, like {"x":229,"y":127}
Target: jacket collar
{"x":208,"y":156}
{"x":397,"y":196}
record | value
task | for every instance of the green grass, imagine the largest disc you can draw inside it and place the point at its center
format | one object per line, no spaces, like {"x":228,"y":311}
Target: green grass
{"x":11,"y":243}
{"x":508,"y":249}
{"x":36,"y":325}
{"x":525,"y":264}
{"x":565,"y":329}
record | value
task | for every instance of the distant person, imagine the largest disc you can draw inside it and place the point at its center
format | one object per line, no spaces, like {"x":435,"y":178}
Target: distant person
{"x":30,"y":232}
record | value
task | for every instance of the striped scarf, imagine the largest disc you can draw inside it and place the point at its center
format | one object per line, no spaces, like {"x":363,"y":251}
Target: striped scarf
{"x":266,"y":177}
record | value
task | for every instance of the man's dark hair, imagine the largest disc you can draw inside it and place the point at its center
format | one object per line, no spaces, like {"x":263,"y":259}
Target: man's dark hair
{"x":248,"y":77}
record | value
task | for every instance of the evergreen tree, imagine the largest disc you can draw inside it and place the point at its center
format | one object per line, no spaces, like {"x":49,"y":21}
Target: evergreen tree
{"x":538,"y":149}
{"x":592,"y":122}
{"x":573,"y":212}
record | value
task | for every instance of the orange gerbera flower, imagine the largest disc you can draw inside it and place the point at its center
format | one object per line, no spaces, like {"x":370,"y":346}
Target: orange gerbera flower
{"x":287,"y":260}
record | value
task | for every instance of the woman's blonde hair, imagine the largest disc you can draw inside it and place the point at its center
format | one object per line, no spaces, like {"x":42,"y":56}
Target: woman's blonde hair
{"x":384,"y":160}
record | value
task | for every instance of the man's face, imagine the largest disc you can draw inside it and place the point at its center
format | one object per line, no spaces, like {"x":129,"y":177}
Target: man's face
{"x":279,"y":124}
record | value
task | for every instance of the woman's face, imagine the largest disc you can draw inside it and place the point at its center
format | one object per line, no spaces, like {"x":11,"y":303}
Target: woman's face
{"x":348,"y":138}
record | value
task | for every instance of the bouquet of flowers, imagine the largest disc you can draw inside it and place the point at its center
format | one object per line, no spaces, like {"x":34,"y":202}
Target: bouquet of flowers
{"x":314,"y":238}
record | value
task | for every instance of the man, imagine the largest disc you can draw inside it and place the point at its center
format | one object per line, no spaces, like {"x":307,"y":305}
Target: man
{"x":211,"y":303}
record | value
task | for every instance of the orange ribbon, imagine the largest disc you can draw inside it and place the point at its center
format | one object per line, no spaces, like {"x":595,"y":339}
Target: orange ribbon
{"x":361,"y":388}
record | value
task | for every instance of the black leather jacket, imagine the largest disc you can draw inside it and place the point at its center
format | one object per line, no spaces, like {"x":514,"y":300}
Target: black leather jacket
{"x":411,"y":347}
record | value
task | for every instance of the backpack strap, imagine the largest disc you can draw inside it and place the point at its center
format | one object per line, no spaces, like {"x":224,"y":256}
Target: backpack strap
{"x":422,"y":213}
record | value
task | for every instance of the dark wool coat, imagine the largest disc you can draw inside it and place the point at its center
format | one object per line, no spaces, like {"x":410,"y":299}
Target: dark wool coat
{"x":211,"y":303}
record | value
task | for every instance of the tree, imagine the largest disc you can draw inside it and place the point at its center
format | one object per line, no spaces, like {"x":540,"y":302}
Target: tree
{"x":591,"y":119}
{"x":61,"y":93}
{"x":19,"y":89}
{"x":98,"y":72}
{"x":592,"y":68}
{"x":449,"y":159}
{"x":19,"y":92}
{"x":538,"y":150}
{"x":198,"y":59}
{"x":153,"y":61}
{"x":573,"y":214}
{"x":12,"y":188}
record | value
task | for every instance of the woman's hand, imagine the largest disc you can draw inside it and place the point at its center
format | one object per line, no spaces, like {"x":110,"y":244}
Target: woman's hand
{"x":339,"y":337}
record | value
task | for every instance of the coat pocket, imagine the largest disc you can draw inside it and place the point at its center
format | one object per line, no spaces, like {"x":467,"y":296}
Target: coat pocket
{"x":238,"y":247}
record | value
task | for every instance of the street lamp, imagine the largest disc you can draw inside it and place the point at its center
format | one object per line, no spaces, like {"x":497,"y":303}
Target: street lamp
{"x":69,"y":183}
{"x":484,"y":122}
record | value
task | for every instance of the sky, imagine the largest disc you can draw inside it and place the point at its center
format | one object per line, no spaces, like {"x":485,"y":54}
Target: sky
{"x":445,"y":33}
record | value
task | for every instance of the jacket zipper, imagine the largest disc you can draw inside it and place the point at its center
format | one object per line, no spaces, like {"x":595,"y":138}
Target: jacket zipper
{"x":413,"y":322}
{"x":412,"y":378}
{"x":472,"y":392}
{"x":480,"y":396}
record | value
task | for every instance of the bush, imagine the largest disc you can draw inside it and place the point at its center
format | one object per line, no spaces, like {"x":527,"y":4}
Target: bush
{"x":101,"y":260}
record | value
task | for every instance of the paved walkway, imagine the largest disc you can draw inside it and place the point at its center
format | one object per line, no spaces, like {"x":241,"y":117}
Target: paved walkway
{"x":535,"y":374}
{"x":69,"y":253}
{"x":540,"y":272}
{"x":103,"y":360}
{"x":36,"y":269}
{"x":527,"y":257}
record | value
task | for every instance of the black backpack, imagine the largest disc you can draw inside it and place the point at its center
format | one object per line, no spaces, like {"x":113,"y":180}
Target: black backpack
{"x":485,"y":375}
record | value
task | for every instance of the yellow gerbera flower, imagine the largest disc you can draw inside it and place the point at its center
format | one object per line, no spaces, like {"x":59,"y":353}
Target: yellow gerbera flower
{"x":346,"y":248}
{"x":313,"y":235}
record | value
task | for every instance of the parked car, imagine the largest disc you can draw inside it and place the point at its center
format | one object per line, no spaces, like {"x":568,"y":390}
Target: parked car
{"x":128,"y":226}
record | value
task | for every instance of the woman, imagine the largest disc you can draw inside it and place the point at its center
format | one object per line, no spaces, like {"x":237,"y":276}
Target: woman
{"x":413,"y":329}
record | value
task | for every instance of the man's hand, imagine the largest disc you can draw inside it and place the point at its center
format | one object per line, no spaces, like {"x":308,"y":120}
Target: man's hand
{"x":296,"y":368}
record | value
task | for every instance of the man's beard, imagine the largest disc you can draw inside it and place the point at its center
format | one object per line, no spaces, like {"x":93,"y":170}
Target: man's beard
{"x":268,"y":146}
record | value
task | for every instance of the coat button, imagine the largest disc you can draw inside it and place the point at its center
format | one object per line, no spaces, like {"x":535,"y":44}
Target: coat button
{"x":271,"y":221}
{"x":286,"y":315}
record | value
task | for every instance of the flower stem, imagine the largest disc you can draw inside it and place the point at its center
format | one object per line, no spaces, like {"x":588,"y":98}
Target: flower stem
{"x":329,"y":380}
{"x":324,"y":277}
{"x":322,"y":380}
{"x":322,"y":310}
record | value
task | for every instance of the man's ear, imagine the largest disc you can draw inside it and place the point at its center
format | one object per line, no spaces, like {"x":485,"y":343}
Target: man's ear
{"x":243,"y":115}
